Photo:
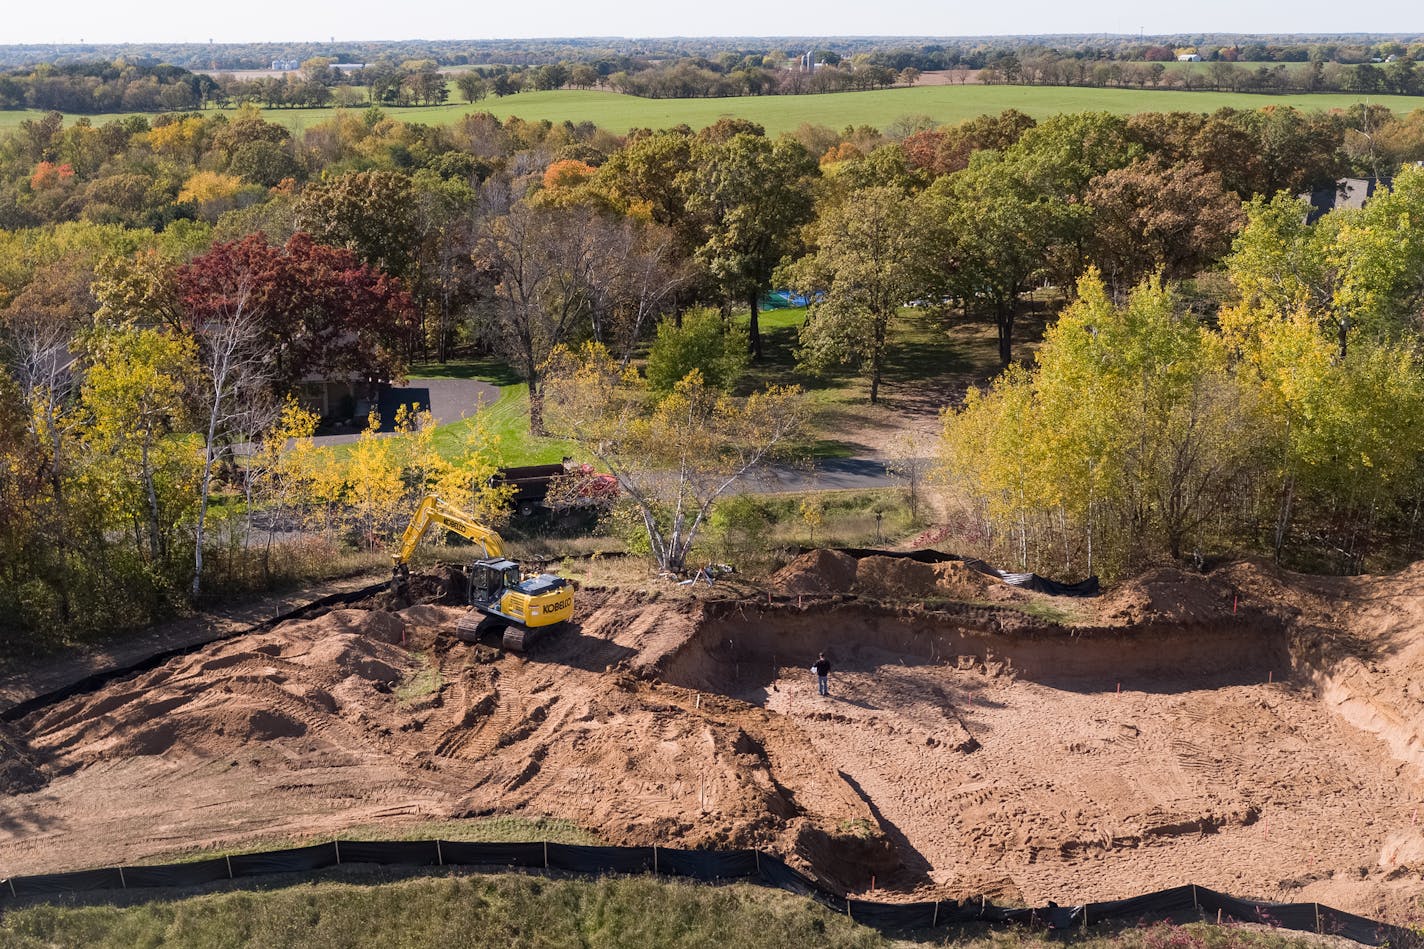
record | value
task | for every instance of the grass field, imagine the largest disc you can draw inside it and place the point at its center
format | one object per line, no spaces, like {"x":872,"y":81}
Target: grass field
{"x":945,"y":104}
{"x":511,"y":911}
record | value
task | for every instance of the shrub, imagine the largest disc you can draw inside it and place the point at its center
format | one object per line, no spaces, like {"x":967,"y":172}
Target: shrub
{"x":704,"y":342}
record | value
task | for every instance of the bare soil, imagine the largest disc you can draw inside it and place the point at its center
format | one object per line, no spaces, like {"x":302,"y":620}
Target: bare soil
{"x":1248,"y":730}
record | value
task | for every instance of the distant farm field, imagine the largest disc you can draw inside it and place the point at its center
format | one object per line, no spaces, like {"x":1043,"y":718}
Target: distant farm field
{"x":944,"y":104}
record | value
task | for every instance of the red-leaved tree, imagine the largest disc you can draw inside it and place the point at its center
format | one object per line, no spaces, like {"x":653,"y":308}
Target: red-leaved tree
{"x":318,"y":310}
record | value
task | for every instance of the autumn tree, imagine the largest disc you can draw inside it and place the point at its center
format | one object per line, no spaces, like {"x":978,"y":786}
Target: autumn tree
{"x":134,"y":402}
{"x":371,"y":213}
{"x":1131,"y":434}
{"x":1343,"y":437}
{"x":1149,"y":215}
{"x":319,"y":309}
{"x":673,"y":454}
{"x":561,"y":269}
{"x":232,"y":393}
{"x":1355,"y":271}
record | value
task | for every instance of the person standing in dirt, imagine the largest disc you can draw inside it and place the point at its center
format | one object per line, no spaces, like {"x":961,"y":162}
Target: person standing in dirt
{"x":822,"y":668}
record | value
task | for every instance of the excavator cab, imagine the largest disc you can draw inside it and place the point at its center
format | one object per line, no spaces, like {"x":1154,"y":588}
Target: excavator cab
{"x":490,"y":578}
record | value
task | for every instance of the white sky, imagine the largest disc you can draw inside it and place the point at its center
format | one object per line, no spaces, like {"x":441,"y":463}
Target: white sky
{"x":116,"y":21}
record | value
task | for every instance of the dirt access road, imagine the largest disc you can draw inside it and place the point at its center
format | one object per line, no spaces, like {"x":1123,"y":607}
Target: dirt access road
{"x":1274,"y":751}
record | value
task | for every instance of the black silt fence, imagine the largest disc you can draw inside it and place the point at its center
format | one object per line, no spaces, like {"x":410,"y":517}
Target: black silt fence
{"x":716,"y":866}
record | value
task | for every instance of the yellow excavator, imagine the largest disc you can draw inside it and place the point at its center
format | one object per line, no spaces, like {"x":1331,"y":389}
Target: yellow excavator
{"x":499,"y":593}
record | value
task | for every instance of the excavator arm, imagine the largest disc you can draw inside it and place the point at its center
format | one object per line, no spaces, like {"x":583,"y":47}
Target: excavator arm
{"x":434,"y":510}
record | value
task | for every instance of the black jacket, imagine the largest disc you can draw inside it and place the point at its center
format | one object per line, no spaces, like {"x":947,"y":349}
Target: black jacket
{"x":822,"y":667}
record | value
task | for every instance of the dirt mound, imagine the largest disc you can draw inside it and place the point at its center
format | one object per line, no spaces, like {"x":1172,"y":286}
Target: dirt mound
{"x":822,"y":572}
{"x":330,"y":722}
{"x":817,"y":572}
{"x":1168,"y":595}
{"x":276,"y":685}
{"x":899,"y":578}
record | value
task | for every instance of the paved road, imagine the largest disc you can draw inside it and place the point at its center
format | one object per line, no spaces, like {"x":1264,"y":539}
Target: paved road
{"x":449,"y":400}
{"x":827,"y":474}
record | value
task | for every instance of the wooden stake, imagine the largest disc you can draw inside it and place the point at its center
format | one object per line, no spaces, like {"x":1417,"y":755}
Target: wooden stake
{"x":546,"y":855}
{"x":229,"y":866}
{"x":935,"y":921}
{"x":12,"y":887}
{"x":439,"y":853}
{"x":338,"y":852}
{"x":1218,"y":916}
{"x":123,"y":884}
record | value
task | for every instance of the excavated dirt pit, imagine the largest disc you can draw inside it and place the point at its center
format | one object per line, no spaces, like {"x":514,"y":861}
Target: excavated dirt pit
{"x":1273,"y":751}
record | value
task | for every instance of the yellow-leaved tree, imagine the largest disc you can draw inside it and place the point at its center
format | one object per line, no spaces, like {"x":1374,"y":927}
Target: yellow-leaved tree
{"x":141,"y":466}
{"x":370,"y":489}
{"x":1131,"y":433}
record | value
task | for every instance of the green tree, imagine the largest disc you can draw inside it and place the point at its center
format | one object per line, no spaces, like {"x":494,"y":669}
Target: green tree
{"x":472,"y":86}
{"x":750,"y":197}
{"x":371,"y":213}
{"x":868,"y":262}
{"x":989,"y":233}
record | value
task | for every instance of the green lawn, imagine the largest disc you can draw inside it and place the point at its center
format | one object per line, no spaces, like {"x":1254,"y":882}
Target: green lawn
{"x":618,"y":113}
{"x":503,"y":910}
{"x":508,"y":418}
{"x":930,"y":357}
{"x":393,"y":910}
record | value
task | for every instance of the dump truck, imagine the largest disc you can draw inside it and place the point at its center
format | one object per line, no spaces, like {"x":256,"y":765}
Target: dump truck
{"x":497,"y":590}
{"x":564,"y":486}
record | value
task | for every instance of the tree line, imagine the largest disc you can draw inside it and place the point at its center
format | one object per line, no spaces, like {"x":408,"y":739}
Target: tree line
{"x":611,"y":55}
{"x":1051,"y":68}
{"x":166,"y":286}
